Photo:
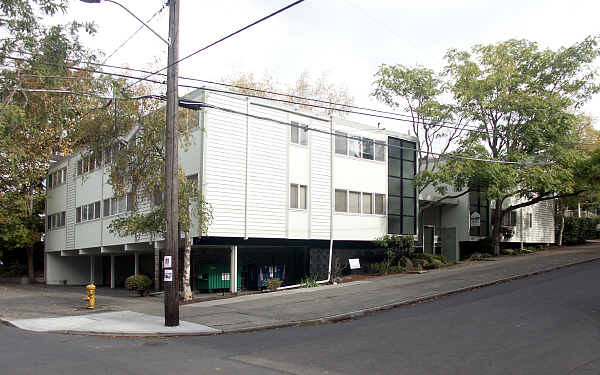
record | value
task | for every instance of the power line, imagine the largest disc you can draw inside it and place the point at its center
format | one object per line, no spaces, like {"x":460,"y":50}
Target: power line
{"x":90,"y":94}
{"x":224,"y":38}
{"x":442,"y":124}
{"x":190,"y":105}
{"x":134,"y":34}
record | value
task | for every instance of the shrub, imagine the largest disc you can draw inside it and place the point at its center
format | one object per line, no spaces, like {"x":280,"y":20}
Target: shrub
{"x":273,"y":284}
{"x":577,"y":229}
{"x":141,"y":283}
{"x":309,"y":282}
{"x":13,"y":270}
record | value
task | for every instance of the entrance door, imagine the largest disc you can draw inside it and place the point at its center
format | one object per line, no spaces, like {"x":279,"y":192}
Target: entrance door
{"x":428,"y":232}
{"x":449,"y":243}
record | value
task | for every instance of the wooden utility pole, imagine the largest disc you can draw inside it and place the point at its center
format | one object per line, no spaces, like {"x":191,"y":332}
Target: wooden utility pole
{"x":171,"y":170}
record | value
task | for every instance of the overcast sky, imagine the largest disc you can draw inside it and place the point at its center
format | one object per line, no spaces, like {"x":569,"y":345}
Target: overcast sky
{"x":348,"y":39}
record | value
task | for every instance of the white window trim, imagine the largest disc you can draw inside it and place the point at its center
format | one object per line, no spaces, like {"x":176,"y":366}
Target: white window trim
{"x":373,"y":204}
{"x":301,"y":128}
{"x":298,"y":198}
{"x":355,"y":137}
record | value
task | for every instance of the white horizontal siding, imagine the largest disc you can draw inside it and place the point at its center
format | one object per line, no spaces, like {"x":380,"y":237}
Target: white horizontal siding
{"x":267,"y":175}
{"x":224,"y":177}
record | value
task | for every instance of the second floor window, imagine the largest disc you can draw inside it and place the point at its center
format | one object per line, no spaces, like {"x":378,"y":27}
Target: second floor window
{"x":299,"y":134}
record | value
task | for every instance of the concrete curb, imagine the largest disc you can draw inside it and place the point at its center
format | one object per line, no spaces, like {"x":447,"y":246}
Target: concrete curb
{"x":411,"y":301}
{"x":327,"y":319}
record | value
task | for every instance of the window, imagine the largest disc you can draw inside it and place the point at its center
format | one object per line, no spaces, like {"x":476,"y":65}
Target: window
{"x":401,"y":192}
{"x":56,"y":221}
{"x":530,"y":220}
{"x":367,"y":149}
{"x":106,"y":207}
{"x":341,"y":201}
{"x":88,"y":163}
{"x":298,"y":195}
{"x":114,"y":206}
{"x":380,"y":204}
{"x":299,"y":134}
{"x":478,"y":203}
{"x":57,"y":178}
{"x":379,"y":152}
{"x":130,"y":200}
{"x":89,"y":211}
{"x":354,"y":202}
{"x":367,"y":203}
{"x":341,"y":143}
{"x":354,"y":147}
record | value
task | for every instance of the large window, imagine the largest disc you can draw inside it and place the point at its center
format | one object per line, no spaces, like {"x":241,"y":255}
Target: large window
{"x":402,"y":206}
{"x":479,"y":205}
{"x":298,"y":196}
{"x":368,"y":149}
{"x":299,"y":134}
{"x":359,"y":147}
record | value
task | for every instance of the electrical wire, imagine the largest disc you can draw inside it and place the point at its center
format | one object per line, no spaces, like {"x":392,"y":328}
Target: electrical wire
{"x":134,"y":33}
{"x":190,"y":104}
{"x":223,"y":38}
{"x":120,"y":75}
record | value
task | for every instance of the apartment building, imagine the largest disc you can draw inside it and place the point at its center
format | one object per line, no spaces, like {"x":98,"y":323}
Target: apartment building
{"x":285,"y":185}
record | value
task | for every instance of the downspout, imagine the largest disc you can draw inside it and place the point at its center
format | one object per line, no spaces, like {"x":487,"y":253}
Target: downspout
{"x":331,"y":206}
{"x":246,"y":177}
{"x":521,"y":224}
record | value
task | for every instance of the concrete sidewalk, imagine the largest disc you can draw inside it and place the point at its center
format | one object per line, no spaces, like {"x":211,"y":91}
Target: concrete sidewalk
{"x":285,"y":308}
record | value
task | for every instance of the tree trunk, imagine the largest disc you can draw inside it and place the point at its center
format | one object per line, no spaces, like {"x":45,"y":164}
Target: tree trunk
{"x":156,"y":269}
{"x":562,"y":226}
{"x":496,"y":233}
{"x":30,"y":271}
{"x":187,"y":290}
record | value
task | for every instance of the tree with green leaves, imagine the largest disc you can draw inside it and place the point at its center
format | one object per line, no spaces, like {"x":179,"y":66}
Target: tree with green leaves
{"x":419,"y":91}
{"x":138,"y":169}
{"x":36,"y":124}
{"x":522,"y":101}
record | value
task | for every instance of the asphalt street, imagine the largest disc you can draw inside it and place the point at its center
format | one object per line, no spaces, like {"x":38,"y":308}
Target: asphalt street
{"x":546,"y":324}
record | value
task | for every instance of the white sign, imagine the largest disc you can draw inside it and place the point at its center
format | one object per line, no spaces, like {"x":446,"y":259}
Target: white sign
{"x":167,"y":262}
{"x":169,"y":275}
{"x":225,"y":276}
{"x":475,"y":219}
{"x":354,"y":263}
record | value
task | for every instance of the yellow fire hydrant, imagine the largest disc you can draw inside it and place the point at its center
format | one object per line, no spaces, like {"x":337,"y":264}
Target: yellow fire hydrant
{"x":90,"y":295}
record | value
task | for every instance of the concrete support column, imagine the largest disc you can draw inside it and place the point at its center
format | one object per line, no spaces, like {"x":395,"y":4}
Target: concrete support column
{"x":137,"y":263}
{"x":112,"y":271}
{"x":92,"y":264}
{"x":234,"y":269}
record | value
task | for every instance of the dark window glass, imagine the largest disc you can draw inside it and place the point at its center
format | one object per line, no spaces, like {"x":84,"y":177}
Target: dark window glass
{"x":408,"y":225}
{"x":408,"y":188}
{"x":408,"y":151}
{"x":408,"y":206}
{"x":394,"y":224}
{"x":97,"y":210}
{"x":78,"y":215}
{"x":395,"y":186}
{"x":106,"y":207}
{"x":368,"y":150}
{"x":394,"y":205}
{"x":394,"y":148}
{"x":395,"y":167}
{"x":408,"y":169}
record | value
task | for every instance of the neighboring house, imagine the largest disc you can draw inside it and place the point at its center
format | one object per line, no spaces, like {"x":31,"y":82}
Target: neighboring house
{"x":467,"y":218}
{"x":281,"y":187}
